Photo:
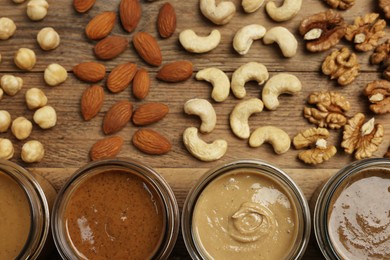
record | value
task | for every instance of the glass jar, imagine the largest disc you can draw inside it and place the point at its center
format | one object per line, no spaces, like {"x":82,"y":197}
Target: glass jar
{"x":251,"y":216}
{"x":24,"y":213}
{"x":354,"y":195}
{"x":123,"y":188}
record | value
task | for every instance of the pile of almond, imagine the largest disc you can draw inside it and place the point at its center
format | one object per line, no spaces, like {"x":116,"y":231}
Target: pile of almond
{"x":109,"y":47}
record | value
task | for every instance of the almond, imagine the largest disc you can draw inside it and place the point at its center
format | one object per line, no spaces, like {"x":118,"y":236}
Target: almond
{"x":110,"y":47}
{"x":108,"y":147}
{"x":100,"y":26}
{"x":83,"y":6}
{"x":89,"y":71}
{"x":149,"y":113}
{"x":121,"y":76}
{"x":175,"y":71}
{"x":91,"y":102}
{"x":148,"y":48}
{"x":166,"y":21}
{"x":151,"y":142}
{"x":117,"y":117}
{"x":130,"y":14}
{"x":141,"y":84}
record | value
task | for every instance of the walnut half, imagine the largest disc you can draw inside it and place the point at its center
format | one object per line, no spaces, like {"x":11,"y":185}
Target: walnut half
{"x":340,"y":4}
{"x":362,"y":138}
{"x":319,"y":150}
{"x":378,"y":93}
{"x":381,"y":56}
{"x":385,"y":6}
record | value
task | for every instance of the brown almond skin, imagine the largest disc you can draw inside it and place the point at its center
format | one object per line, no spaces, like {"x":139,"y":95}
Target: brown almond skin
{"x":110,"y":47}
{"x":91,"y":102}
{"x":82,"y":6}
{"x":117,"y":117}
{"x":141,"y":84}
{"x":100,"y":26}
{"x":108,"y":147}
{"x":130,"y":13}
{"x":148,"y":48}
{"x":151,"y":142}
{"x":175,"y":72}
{"x":166,"y":21}
{"x":121,"y":76}
{"x":149,"y":113}
{"x":90,"y":71}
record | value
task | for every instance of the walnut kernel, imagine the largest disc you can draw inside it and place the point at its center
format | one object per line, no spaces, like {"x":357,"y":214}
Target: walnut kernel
{"x":378,"y":93}
{"x":385,"y":6}
{"x":340,"y":4}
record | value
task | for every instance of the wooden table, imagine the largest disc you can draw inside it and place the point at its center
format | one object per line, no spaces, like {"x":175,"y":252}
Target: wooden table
{"x":68,"y":143}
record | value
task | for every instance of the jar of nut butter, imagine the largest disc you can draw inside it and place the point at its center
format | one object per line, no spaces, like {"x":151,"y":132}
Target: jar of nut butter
{"x":24,"y":213}
{"x":352,"y":212}
{"x":247,"y":209}
{"x":115,"y":209}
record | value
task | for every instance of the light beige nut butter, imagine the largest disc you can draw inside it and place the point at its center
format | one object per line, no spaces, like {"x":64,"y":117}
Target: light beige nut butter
{"x":15,"y":217}
{"x":359,"y":216}
{"x":245,"y":215}
{"x":114,"y":215}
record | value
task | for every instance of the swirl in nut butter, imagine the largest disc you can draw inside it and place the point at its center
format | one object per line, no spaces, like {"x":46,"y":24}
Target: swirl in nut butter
{"x":245,"y":215}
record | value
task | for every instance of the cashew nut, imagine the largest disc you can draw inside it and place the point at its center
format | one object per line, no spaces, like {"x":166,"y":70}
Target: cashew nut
{"x":278,"y":138}
{"x":240,"y":115}
{"x":284,"y":38}
{"x":219,"y":80}
{"x":285,"y":12}
{"x":251,"y":6}
{"x":247,"y":72}
{"x":219,"y":14}
{"x":199,"y":44}
{"x":202,"y":150}
{"x":203,"y":109}
{"x":279,"y":84}
{"x":246,"y":35}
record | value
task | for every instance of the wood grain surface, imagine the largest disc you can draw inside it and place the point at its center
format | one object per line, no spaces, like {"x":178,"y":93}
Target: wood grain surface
{"x":68,"y":143}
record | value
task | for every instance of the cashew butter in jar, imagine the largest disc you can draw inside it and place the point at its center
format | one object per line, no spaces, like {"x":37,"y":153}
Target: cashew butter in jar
{"x":115,"y":209}
{"x":352,"y":212}
{"x":24,"y":213}
{"x":246,"y":209}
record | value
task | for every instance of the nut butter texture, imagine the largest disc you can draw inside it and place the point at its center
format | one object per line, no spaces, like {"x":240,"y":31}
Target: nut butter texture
{"x":14,"y":218}
{"x":359,"y":216}
{"x":114,"y":215}
{"x":245,"y":215}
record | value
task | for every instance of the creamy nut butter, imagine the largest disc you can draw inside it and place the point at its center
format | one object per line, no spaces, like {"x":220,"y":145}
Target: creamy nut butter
{"x":245,"y":215}
{"x":15,"y":217}
{"x":359,"y":216}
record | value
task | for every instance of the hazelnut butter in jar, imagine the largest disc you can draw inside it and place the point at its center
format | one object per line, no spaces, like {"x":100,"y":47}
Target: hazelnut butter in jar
{"x":115,"y":209}
{"x":24,"y":213}
{"x":352,"y":212}
{"x":247,"y":209}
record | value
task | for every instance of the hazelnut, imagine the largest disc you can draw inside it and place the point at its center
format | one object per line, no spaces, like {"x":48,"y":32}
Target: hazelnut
{"x":48,"y":39}
{"x":35,"y":98}
{"x":55,"y":74}
{"x":37,"y":9}
{"x":32,"y":151}
{"x":5,"y":121}
{"x":7,"y":28}
{"x":6,"y":149}
{"x":21,"y":128}
{"x":45,"y":117}
{"x":25,"y":59}
{"x":11,"y":84}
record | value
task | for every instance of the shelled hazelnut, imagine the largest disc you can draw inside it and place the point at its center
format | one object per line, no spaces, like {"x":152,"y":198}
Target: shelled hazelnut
{"x":55,"y":74}
{"x":6,"y":149}
{"x":11,"y":84}
{"x":7,"y":28}
{"x":35,"y":98}
{"x":37,"y":9}
{"x":45,"y":117}
{"x":5,"y":121}
{"x":48,"y":39}
{"x":25,"y":59}
{"x":32,"y":151}
{"x":21,"y":128}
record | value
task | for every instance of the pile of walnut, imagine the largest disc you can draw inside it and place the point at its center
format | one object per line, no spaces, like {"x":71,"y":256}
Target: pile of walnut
{"x":45,"y":115}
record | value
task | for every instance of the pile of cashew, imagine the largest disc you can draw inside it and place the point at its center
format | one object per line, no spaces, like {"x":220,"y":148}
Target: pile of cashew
{"x":279,"y":84}
{"x":219,"y":80}
{"x":284,"y":38}
{"x":247,"y":72}
{"x":240,"y":116}
{"x":246,"y":35}
{"x":278,"y":138}
{"x":219,"y":14}
{"x":199,"y":44}
{"x":203,"y":109}
{"x":285,"y":12}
